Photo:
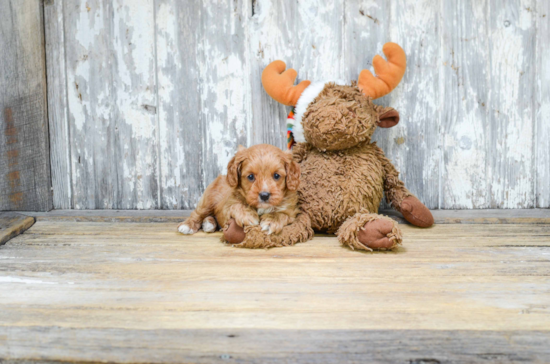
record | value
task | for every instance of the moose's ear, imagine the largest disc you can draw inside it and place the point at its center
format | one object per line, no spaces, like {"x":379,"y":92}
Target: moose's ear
{"x":388,"y":118}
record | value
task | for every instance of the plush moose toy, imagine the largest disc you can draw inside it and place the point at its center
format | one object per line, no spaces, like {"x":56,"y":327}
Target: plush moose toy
{"x":344,"y":175}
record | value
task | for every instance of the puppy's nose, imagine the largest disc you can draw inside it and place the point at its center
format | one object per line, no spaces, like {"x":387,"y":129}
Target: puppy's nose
{"x":264,"y":196}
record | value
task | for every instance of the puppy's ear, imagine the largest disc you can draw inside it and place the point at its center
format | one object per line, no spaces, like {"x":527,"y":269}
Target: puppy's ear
{"x":234,"y":171}
{"x":292,"y":173}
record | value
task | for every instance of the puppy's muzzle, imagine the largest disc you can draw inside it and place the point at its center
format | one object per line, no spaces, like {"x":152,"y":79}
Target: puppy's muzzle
{"x":264,"y":196}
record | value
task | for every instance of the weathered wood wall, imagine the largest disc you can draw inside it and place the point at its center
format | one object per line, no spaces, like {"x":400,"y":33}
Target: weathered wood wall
{"x":149,"y":99}
{"x":25,"y":182}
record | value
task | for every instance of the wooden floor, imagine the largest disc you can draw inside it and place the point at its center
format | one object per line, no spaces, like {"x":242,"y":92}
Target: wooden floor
{"x":140,"y":292}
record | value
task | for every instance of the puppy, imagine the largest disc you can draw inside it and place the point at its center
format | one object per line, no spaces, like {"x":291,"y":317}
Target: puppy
{"x":260,"y":188}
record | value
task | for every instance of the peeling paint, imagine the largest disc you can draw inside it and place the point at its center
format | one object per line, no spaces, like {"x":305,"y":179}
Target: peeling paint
{"x":161,"y":93}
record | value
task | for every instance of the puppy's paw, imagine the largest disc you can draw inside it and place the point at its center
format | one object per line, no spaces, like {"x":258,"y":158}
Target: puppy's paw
{"x":271,"y":226}
{"x":247,"y":220}
{"x":209,"y":225}
{"x":185,"y":229}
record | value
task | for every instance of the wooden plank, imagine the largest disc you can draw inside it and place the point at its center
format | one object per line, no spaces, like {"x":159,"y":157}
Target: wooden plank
{"x":319,"y":41}
{"x":90,"y":102}
{"x":224,"y":83}
{"x":24,"y":148}
{"x":516,"y":216}
{"x":134,"y":82}
{"x":276,"y":346}
{"x":112,"y":103}
{"x":464,"y":71}
{"x":473,"y":131}
{"x":271,"y":31}
{"x":144,"y":293}
{"x":13,"y":224}
{"x":542,"y":107}
{"x":57,"y":104}
{"x":511,"y":28}
{"x":180,"y":125}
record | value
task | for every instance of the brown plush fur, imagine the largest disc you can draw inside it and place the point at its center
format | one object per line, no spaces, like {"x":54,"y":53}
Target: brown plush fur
{"x":344,"y":175}
{"x":341,"y":117}
{"x":254,"y":171}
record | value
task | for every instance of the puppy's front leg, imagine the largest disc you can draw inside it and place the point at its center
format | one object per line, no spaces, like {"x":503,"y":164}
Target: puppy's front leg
{"x":274,"y":223}
{"x":244,"y":215}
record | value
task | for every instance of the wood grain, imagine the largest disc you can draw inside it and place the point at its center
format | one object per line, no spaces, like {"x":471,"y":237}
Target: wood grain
{"x":497,"y":216}
{"x":24,"y":147}
{"x":13,"y":224}
{"x":60,"y":145}
{"x":90,"y":101}
{"x":511,"y":30}
{"x":224,"y":83}
{"x":465,"y":90}
{"x":269,"y":41}
{"x":542,"y":110}
{"x":179,"y":110}
{"x":144,"y":293}
{"x":160,"y":117}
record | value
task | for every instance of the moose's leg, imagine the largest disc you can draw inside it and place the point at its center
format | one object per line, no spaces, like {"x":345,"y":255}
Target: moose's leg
{"x":253,"y":237}
{"x":366,"y":231}
{"x":401,"y":199}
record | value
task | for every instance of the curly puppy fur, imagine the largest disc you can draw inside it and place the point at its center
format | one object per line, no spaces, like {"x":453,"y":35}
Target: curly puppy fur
{"x":298,"y":231}
{"x":259,"y":189}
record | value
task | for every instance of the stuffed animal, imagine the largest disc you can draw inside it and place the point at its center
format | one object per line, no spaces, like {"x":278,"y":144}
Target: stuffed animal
{"x":345,"y":175}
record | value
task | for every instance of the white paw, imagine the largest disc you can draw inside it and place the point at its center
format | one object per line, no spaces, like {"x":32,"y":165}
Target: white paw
{"x":185,"y":229}
{"x":266,"y":226}
{"x":248,"y":221}
{"x":208,"y":227}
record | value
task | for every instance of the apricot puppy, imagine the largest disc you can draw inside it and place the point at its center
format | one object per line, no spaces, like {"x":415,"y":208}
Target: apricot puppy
{"x":259,"y":188}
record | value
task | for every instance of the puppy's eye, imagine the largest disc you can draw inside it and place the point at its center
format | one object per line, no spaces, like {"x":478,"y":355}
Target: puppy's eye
{"x":250,"y":177}
{"x":276,"y":176}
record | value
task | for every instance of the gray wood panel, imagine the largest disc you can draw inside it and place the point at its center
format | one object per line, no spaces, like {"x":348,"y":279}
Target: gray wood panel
{"x":168,"y":89}
{"x":465,"y":91}
{"x":91,"y":110}
{"x":24,"y":151}
{"x":511,"y":71}
{"x":179,"y":112}
{"x":268,"y":41}
{"x":542,"y":101}
{"x":111,"y":92}
{"x":272,"y":346}
{"x":224,"y":83}
{"x":57,"y":104}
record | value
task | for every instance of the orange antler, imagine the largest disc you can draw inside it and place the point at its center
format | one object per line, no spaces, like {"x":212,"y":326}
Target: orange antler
{"x":279,"y":84}
{"x":389,"y":73}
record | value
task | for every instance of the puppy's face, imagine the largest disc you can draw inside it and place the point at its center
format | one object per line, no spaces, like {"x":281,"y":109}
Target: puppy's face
{"x":263,"y":174}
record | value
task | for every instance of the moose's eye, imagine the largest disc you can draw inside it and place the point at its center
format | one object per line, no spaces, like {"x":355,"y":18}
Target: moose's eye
{"x":276,"y":176}
{"x":250,"y":177}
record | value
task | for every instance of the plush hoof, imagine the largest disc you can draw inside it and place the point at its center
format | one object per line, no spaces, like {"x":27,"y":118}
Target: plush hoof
{"x":416,"y":213}
{"x":376,"y":234}
{"x":233,"y":233}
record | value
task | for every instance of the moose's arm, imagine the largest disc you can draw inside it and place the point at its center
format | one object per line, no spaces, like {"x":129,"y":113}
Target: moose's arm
{"x":399,"y":196}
